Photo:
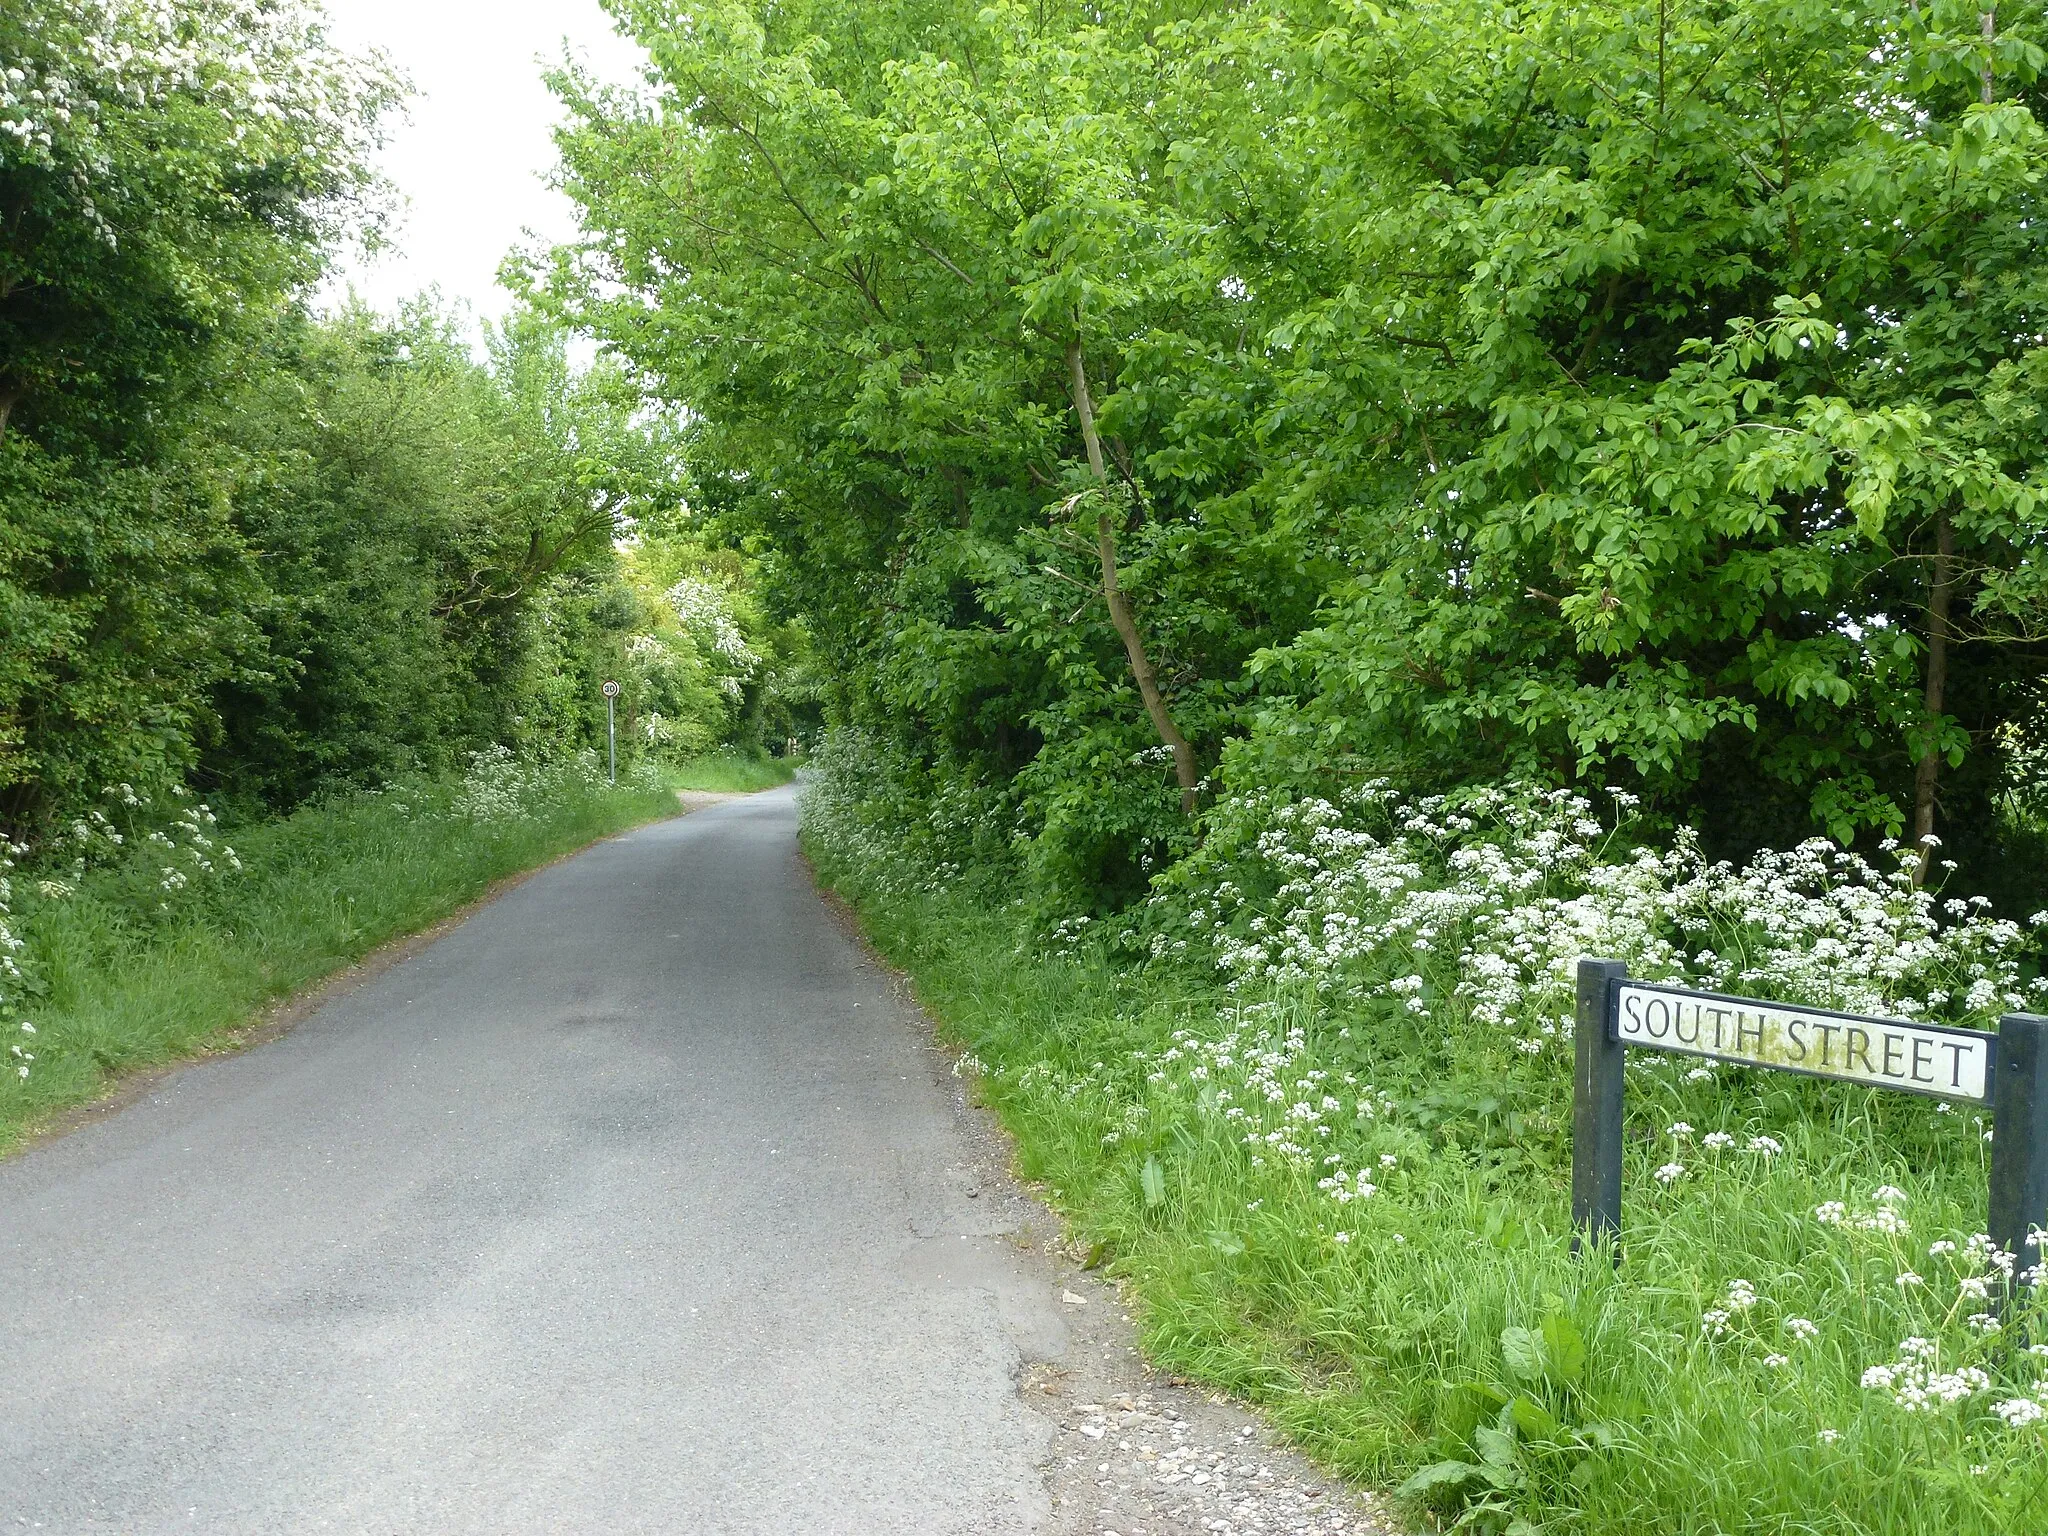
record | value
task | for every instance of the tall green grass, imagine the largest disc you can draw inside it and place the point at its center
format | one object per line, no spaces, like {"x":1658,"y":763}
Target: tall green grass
{"x":125,"y":975}
{"x":734,"y":773}
{"x":1443,"y":1326}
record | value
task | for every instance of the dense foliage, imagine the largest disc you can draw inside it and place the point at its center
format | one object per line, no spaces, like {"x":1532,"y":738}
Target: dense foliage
{"x":269,"y":554}
{"x":1642,"y":393}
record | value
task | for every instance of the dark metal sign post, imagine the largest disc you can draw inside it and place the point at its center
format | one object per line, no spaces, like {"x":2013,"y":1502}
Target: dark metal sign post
{"x":2007,"y":1072}
{"x":611,"y":725}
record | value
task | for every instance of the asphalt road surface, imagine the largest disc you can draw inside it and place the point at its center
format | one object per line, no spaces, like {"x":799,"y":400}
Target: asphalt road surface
{"x":633,"y":1204}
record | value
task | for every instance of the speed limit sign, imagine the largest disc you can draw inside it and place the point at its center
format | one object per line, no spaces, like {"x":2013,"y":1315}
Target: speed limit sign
{"x":611,"y":725}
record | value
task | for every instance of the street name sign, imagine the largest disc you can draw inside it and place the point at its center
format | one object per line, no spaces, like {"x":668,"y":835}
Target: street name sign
{"x":1932,"y":1059}
{"x":2006,"y":1072}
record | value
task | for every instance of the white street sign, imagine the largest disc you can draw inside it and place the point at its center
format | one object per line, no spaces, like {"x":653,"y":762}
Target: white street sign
{"x":1885,"y":1053}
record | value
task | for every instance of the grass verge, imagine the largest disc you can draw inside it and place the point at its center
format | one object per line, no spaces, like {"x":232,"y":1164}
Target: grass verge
{"x":734,"y":773}
{"x":1436,"y":1327}
{"x":124,"y":973}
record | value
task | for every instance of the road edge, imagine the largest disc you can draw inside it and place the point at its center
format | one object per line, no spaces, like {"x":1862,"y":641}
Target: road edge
{"x":1099,"y":1311}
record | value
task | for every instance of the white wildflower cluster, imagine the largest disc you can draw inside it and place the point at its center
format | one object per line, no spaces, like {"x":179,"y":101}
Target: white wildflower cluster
{"x":869,"y":812}
{"x":704,"y":610}
{"x":183,"y":854}
{"x":11,"y":944}
{"x":72,"y":70}
{"x":1957,"y":1304}
{"x":1486,"y":901}
{"x":2024,"y":1412}
{"x":1882,"y":1216}
{"x":1917,"y":1383}
{"x":1069,"y":934}
{"x":1259,"y":1079}
{"x":1718,"y":1322}
{"x":1725,"y":1141}
{"x":189,"y":843}
{"x":1132,"y":1122}
{"x":500,"y":788}
{"x":20,"y":1058}
{"x":1743,"y":1314}
{"x":184,"y":849}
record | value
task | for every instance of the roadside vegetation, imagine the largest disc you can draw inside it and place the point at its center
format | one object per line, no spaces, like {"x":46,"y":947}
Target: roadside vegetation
{"x":1302,"y":517}
{"x":1315,"y":515}
{"x":732,"y":773}
{"x":1312,"y":1102}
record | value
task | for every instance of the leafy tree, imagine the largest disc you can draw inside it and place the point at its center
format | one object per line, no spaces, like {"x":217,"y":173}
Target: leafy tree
{"x":436,"y":535}
{"x":1710,"y":341}
{"x":236,"y":542}
{"x":868,"y":254}
{"x":125,"y":594}
{"x":168,"y":176}
{"x":1647,"y":393}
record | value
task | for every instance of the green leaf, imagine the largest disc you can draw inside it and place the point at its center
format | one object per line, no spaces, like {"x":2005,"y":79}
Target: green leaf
{"x":1533,"y":1420}
{"x":1153,"y":1181}
{"x":1521,"y":1351}
{"x":1439,"y":1477}
{"x":1496,"y":1447}
{"x":1564,"y":1350}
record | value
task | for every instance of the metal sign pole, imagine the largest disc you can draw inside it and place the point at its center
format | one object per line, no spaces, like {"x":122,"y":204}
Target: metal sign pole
{"x":2019,"y":1140}
{"x":1596,"y":1108}
{"x":611,"y":723}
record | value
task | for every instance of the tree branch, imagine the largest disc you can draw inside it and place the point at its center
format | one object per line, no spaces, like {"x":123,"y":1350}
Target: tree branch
{"x":1120,"y":612}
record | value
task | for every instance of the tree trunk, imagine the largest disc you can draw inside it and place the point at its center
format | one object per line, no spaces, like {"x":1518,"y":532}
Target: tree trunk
{"x":1120,"y":613}
{"x":1940,"y":600}
{"x":1990,"y":20}
{"x":10,"y":397}
{"x":1927,"y":773}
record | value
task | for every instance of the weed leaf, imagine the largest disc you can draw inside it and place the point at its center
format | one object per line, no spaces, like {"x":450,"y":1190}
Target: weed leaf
{"x":1521,"y":1351}
{"x":1153,"y":1181}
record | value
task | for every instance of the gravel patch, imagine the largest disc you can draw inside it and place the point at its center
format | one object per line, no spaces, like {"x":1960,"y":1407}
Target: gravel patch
{"x":1137,"y":1453}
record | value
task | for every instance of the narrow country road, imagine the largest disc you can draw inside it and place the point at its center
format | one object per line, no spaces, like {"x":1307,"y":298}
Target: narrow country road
{"x":637,"y":1203}
{"x":630,"y":1205}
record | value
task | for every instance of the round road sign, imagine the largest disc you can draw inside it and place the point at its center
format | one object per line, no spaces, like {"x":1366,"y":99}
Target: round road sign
{"x":611,"y":690}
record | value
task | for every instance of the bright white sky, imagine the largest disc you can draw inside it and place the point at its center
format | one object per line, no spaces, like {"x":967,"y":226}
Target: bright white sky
{"x":471,"y":159}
